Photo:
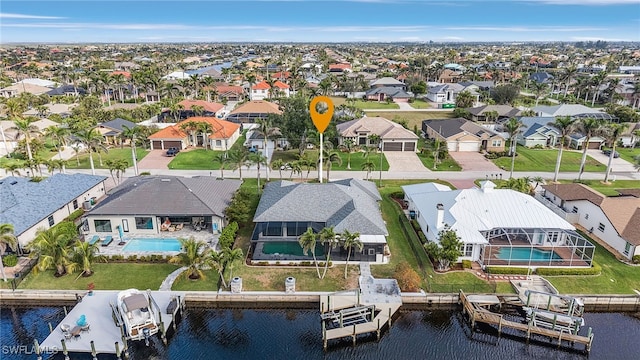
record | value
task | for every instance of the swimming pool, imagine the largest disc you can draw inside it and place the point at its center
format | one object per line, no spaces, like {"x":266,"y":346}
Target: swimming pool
{"x":290,"y":248}
{"x":152,"y":244}
{"x":526,"y":254}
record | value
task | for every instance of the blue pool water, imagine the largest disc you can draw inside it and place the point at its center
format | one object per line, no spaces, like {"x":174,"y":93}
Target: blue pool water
{"x":151,"y":244}
{"x":526,"y":254}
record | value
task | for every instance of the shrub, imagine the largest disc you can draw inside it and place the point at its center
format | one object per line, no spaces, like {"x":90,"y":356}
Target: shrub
{"x":466,"y":264}
{"x":145,"y":173}
{"x":75,"y":215}
{"x":132,"y":258}
{"x":10,"y":260}
{"x":508,"y":270}
{"x":538,"y":146}
{"x":594,"y":270}
{"x":636,"y":259}
{"x":228,"y":235}
{"x":306,"y":263}
{"x":408,"y":279}
{"x":423,"y":238}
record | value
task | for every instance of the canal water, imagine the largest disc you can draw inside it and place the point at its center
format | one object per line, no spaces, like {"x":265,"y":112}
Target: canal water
{"x":296,"y":334}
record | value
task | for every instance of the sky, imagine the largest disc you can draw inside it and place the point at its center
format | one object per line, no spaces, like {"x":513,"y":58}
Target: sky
{"x":136,"y":21}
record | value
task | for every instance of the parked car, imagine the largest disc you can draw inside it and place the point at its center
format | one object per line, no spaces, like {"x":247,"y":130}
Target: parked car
{"x":608,"y":152}
{"x":173,"y":151}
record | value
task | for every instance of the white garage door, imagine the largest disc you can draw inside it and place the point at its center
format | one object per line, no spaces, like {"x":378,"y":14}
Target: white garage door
{"x":452,"y":146}
{"x":468,"y":146}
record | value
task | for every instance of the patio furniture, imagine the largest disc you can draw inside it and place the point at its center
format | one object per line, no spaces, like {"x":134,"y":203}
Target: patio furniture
{"x":179,"y":226}
{"x":107,"y":240}
{"x":75,"y":332}
{"x":165,"y":225}
{"x":94,"y":239}
{"x":172,"y":228}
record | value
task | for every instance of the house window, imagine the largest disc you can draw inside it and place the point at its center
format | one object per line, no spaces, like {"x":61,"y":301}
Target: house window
{"x":496,"y":143}
{"x":102,"y":225}
{"x":467,"y":250}
{"x":144,"y":223}
{"x":601,"y":227}
{"x":574,"y":210}
{"x":75,"y":204}
{"x":218,"y":142}
{"x":51,"y":221}
{"x":273,"y":229}
{"x":372,"y":251}
{"x":627,"y":248}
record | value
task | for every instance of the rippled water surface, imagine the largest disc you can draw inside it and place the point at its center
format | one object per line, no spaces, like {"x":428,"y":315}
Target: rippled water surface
{"x":296,"y":334}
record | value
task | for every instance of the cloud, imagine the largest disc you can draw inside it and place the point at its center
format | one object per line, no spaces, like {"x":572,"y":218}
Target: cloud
{"x":25,"y":16}
{"x":525,"y":28}
{"x":585,"y":2}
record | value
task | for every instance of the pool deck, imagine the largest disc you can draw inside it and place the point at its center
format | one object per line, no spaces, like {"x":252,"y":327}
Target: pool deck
{"x":115,"y":249}
{"x":103,"y":330}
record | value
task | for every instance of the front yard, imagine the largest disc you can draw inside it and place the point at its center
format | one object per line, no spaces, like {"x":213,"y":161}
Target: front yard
{"x":112,"y":154}
{"x":426,"y":156}
{"x":357,"y":159}
{"x":545,"y":160}
{"x":421,"y":104}
{"x":364,"y":104}
{"x":197,"y":159}
{"x":629,"y":154}
{"x":413,"y":118}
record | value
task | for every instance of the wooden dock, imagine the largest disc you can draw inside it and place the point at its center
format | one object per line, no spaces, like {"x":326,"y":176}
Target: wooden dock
{"x":105,"y":335}
{"x":479,"y":314}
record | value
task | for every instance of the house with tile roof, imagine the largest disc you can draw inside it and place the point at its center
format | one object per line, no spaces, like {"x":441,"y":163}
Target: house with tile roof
{"x":224,"y":135}
{"x":141,"y":204}
{"x":209,"y":109}
{"x":17,"y":89}
{"x":263,"y":90}
{"x":498,"y":227}
{"x":30,"y":205}
{"x":393,"y":136}
{"x":229,"y":92}
{"x":613,"y":219}
{"x":388,"y":82}
{"x":463,"y":135}
{"x":253,"y":110}
{"x":284,"y":214}
{"x":396,"y":94}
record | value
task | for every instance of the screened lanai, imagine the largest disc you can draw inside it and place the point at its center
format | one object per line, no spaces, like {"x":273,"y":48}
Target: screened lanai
{"x":536,"y":247}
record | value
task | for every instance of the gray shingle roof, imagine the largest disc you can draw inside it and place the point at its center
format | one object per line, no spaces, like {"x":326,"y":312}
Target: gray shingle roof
{"x":169,"y":195}
{"x":24,"y":203}
{"x":349,"y":204}
{"x":117,"y":123}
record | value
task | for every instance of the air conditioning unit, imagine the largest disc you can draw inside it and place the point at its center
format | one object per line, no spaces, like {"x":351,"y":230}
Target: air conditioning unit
{"x":86,"y":205}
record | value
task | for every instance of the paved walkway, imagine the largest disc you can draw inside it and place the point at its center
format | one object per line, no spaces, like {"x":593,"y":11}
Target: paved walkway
{"x":404,"y":161}
{"x":168,"y":282}
{"x":155,"y":159}
{"x":473,"y":161}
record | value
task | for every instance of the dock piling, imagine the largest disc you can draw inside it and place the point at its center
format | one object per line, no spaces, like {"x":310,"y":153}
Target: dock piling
{"x":118,"y":354}
{"x":37,"y":347}
{"x":353,"y":337}
{"x":65,"y":352}
{"x":378,"y":330}
{"x":93,"y":350}
{"x":125,"y":347}
{"x":65,"y":310}
{"x":50,"y":327}
{"x":163,"y":335}
{"x":324,"y":336}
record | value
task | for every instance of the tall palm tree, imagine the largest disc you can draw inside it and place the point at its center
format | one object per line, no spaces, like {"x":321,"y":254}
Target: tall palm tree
{"x":238,"y":158}
{"x":258,"y":159}
{"x":268,"y":132}
{"x":83,"y":255}
{"x":134,"y":134}
{"x":217,"y":262}
{"x":368,"y":166}
{"x":24,"y":128}
{"x":349,"y":241}
{"x":205,"y":129}
{"x":329,"y":157}
{"x":564,"y":125}
{"x":117,"y":165}
{"x":308,"y":242}
{"x":588,"y":127}
{"x":538,"y":89}
{"x":223,"y":160}
{"x":251,"y":79}
{"x":231,"y":256}
{"x":191,"y":127}
{"x":92,"y":140}
{"x":329,"y":240}
{"x":612,"y":133}
{"x":60,"y":136}
{"x":7,"y":240}
{"x":52,"y":247}
{"x":13,"y":168}
{"x":513,"y":127}
{"x":194,"y":257}
{"x":350,"y":147}
{"x":278,"y":165}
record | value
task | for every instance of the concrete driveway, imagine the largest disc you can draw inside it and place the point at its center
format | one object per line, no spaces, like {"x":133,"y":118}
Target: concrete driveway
{"x":155,"y":159}
{"x":473,"y":161}
{"x":617,"y":165}
{"x":403,"y":161}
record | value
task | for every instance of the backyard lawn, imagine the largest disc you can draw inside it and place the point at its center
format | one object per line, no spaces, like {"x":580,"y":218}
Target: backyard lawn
{"x":413,"y":118}
{"x":357,"y":159}
{"x":545,"y":160}
{"x":113,"y":154}
{"x":107,"y":276}
{"x":616,"y":277}
{"x":609,"y":189}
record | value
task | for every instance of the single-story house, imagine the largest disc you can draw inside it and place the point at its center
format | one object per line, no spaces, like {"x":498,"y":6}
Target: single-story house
{"x":613,"y":219}
{"x":284,"y":214}
{"x":463,"y":135}
{"x":17,"y":89}
{"x":142,"y":204}
{"x":111,"y":130}
{"x":498,"y":227}
{"x":504,"y":112}
{"x":229,"y":92}
{"x":209,"y":109}
{"x":64,"y":110}
{"x":541,"y":77}
{"x":569,"y":110}
{"x":251,"y":111}
{"x":67,"y":90}
{"x":223,"y":136}
{"x":537,"y":131}
{"x":449,"y":76}
{"x":382,"y":93}
{"x":393,"y":136}
{"x":447,"y":93}
{"x":30,"y":205}
{"x":577,"y":139}
{"x":388,"y":82}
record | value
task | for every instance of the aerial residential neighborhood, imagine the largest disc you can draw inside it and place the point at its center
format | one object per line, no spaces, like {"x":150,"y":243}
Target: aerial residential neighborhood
{"x":498,"y":177}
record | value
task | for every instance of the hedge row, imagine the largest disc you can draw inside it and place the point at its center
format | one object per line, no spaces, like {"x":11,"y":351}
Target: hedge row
{"x":507,"y":270}
{"x":594,"y":270}
{"x":142,"y":258}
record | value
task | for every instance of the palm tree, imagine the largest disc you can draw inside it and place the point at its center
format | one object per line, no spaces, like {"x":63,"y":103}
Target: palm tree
{"x":134,"y":134}
{"x":238,"y":158}
{"x":13,"y":168}
{"x":231,"y":256}
{"x":223,"y":160}
{"x":308,"y":243}
{"x":251,"y":79}
{"x":24,"y":128}
{"x":368,"y":166}
{"x":205,"y":128}
{"x":267,"y":131}
{"x":349,"y":241}
{"x":7,"y":240}
{"x":564,"y":125}
{"x":92,"y":140}
{"x":83,"y":255}
{"x":191,"y":127}
{"x":329,"y":157}
{"x":612,"y":132}
{"x":60,"y":136}
{"x":513,"y":127}
{"x":52,"y":247}
{"x":217,"y":262}
{"x":538,"y":89}
{"x":539,"y":180}
{"x":278,"y":165}
{"x":117,"y":165}
{"x":350,"y":147}
{"x":588,"y":127}
{"x":329,"y":241}
{"x":258,"y":159}
{"x":194,"y":257}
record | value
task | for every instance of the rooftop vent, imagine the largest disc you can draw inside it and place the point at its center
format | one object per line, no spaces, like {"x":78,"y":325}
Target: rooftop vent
{"x":165,"y":180}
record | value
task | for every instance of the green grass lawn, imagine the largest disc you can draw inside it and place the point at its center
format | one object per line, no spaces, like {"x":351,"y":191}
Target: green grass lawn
{"x":448,"y":164}
{"x":616,"y":277}
{"x":113,"y":154}
{"x":609,"y":189}
{"x":545,"y":160}
{"x":413,"y":118}
{"x":421,"y":104}
{"x":628,"y":153}
{"x":198,"y":159}
{"x":363,"y":104}
{"x":107,"y":276}
{"x":357,"y":159}
{"x":208,"y":283}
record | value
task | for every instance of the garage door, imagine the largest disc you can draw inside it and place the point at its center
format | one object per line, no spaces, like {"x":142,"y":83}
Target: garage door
{"x":392,"y":146}
{"x":170,"y":144}
{"x":468,"y":146}
{"x":157,"y":144}
{"x":452,"y":146}
{"x":409,"y":146}
{"x":594,"y":145}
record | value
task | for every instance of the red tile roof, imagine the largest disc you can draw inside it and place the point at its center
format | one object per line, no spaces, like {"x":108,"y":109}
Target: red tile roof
{"x":208,"y":106}
{"x":123,"y":73}
{"x":222,"y":129}
{"x":262,"y":85}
